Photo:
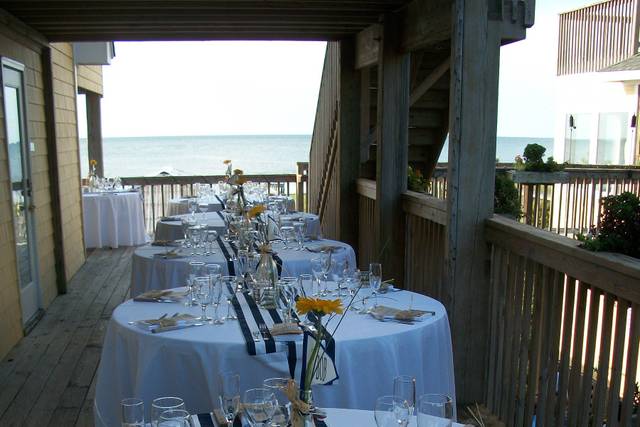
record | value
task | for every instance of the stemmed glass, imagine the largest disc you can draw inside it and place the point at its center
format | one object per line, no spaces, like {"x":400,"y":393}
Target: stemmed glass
{"x":327,"y":264}
{"x":216,"y":292}
{"x":196,"y":269}
{"x":260,"y":404}
{"x":435,"y":410}
{"x":299,"y":232}
{"x":230,"y":395}
{"x":193,"y":207}
{"x":203,"y":207}
{"x":305,"y":282}
{"x":162,"y":404}
{"x":229,"y":287}
{"x":283,"y":411}
{"x":389,"y":411}
{"x":375,"y":279}
{"x":132,"y":412}
{"x":211,"y":238}
{"x":285,"y":232}
{"x":317,"y":269}
{"x":204,"y":294}
{"x":196,"y":238}
{"x":174,"y":418}
{"x":404,"y":387}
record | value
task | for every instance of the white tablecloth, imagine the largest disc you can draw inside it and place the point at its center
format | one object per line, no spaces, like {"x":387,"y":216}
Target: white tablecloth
{"x":180,"y":206}
{"x":186,"y":362}
{"x":152,"y":271}
{"x":113,"y":219}
{"x":357,"y":418}
{"x":172,"y":230}
{"x":311,"y":220}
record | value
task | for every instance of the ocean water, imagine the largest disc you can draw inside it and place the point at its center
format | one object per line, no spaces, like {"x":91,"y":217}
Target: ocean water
{"x":203,"y":155}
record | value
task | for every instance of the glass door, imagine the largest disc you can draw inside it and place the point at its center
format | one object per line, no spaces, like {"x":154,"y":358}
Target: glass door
{"x":18,"y":148}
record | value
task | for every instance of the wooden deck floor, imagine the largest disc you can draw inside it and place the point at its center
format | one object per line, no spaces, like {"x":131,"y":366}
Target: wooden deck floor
{"x":48,"y":379}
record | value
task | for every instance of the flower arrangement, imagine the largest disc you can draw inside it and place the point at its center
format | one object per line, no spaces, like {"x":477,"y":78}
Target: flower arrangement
{"x":229,"y":166}
{"x":531,"y":160}
{"x":237,"y":180}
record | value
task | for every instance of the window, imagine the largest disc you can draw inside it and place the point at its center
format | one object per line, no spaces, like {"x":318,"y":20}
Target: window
{"x":612,"y":138}
{"x":577,"y":138}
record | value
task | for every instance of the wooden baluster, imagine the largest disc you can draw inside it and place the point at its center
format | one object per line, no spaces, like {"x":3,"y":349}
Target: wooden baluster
{"x":565,"y":353}
{"x":525,"y":337}
{"x":613,"y":405}
{"x":576,"y":358}
{"x":631,"y":367}
{"x":495,"y":288}
{"x":586,"y":385}
{"x":507,"y":378}
{"x":600,"y":393}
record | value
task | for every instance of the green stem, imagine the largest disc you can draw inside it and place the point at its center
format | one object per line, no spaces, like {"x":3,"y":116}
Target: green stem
{"x":311,"y":369}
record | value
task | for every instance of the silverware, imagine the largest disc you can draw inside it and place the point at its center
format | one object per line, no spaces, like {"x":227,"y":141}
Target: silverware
{"x":159,"y":318}
{"x":173,"y":328}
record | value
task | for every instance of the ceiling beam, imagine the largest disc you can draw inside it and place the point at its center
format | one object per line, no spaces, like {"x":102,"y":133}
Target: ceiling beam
{"x":429,"y":81}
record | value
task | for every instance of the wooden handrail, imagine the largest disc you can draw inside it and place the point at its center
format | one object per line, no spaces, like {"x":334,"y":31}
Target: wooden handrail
{"x":613,"y":273}
{"x":424,"y":206}
{"x":330,"y":160}
{"x":204,"y":179}
{"x":366,"y":188}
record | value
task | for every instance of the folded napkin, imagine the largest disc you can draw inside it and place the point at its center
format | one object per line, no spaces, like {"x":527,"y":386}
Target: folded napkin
{"x":325,"y":248}
{"x":163,"y":324}
{"x":160,"y":296}
{"x":383,"y":313}
{"x":170,"y":219}
{"x":285,"y":329}
{"x":172,"y":254}
{"x":171,"y":243}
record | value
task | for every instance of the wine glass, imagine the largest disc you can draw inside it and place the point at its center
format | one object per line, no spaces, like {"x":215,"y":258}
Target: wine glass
{"x":196,"y":269}
{"x":216,"y":293}
{"x":203,"y":207}
{"x":375,"y":279}
{"x":404,"y":387}
{"x":260,"y":404}
{"x":230,"y":395}
{"x":212,"y":238}
{"x":192,"y":205}
{"x":174,"y":418}
{"x":435,"y":410}
{"x":283,"y":411}
{"x":317,"y":269}
{"x":286,"y":232}
{"x":229,"y":287}
{"x":305,"y":283}
{"x":204,"y":295}
{"x":300,"y":229}
{"x":196,"y":237}
{"x":389,"y":412}
{"x":162,"y":404}
{"x":132,"y":412}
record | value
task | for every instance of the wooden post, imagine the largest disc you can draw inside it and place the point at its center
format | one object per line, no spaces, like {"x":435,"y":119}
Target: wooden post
{"x":301,"y":178}
{"x":392,"y":150}
{"x":54,"y":178}
{"x":94,"y":130}
{"x":348,"y":143}
{"x":365,"y":113}
{"x":475,"y":50}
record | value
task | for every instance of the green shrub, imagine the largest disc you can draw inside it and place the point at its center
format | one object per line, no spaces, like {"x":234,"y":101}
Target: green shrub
{"x":506,"y":200}
{"x":532,"y":160}
{"x":619,"y":226}
{"x":416,"y":181}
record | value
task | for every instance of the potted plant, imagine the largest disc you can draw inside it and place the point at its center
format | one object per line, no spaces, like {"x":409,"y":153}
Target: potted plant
{"x":532,"y":169}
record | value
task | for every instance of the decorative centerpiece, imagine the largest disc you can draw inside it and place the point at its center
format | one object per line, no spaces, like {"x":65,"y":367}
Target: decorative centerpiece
{"x":93,"y":175}
{"x":266,"y":278}
{"x":229,"y":170}
{"x":237,"y":181}
{"x":319,"y":366}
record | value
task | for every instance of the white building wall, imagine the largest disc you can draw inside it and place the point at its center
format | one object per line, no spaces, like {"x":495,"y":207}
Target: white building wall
{"x":595,"y":93}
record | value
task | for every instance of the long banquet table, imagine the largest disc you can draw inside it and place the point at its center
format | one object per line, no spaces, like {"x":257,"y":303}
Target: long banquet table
{"x":151,"y":270}
{"x":113,"y":219}
{"x":186,"y":362}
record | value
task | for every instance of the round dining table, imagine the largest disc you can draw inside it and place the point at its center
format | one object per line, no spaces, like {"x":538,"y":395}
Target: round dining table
{"x":187,"y":362}
{"x":113,"y":219}
{"x":170,"y":228}
{"x":180,"y":205}
{"x":154,"y":269}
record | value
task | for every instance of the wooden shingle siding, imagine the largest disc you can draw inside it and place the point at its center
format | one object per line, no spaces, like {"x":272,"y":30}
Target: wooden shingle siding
{"x":90,"y":78}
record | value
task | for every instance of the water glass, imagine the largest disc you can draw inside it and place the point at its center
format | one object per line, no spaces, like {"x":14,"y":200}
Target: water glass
{"x":390,"y":411}
{"x":305,"y":285}
{"x":229,"y":288}
{"x":212,"y":238}
{"x":404,"y":387}
{"x":435,"y":410}
{"x":260,"y":404}
{"x":375,"y":279}
{"x":174,"y":418}
{"x":162,"y":404}
{"x":317,"y":268}
{"x":132,"y":412}
{"x":216,"y":298}
{"x":230,"y":395}
{"x":300,"y":229}
{"x":196,"y":269}
{"x":283,"y":412}
{"x":286,"y":231}
{"x":204,"y":295}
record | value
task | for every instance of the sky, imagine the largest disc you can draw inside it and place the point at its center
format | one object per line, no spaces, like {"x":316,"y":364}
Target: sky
{"x":251,"y":88}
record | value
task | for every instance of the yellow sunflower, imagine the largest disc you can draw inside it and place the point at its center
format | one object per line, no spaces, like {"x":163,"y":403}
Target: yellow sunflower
{"x":227,"y":162}
{"x":241,"y":180}
{"x":93,"y":162}
{"x":319,"y":306}
{"x":256,"y":210}
{"x":238,"y":172}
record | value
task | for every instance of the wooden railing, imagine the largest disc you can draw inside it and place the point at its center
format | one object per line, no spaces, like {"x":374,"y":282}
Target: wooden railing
{"x":157,"y":191}
{"x":564,"y":330}
{"x":324,"y":145}
{"x":425,"y":219}
{"x":568,"y":208}
{"x":597,"y":36}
